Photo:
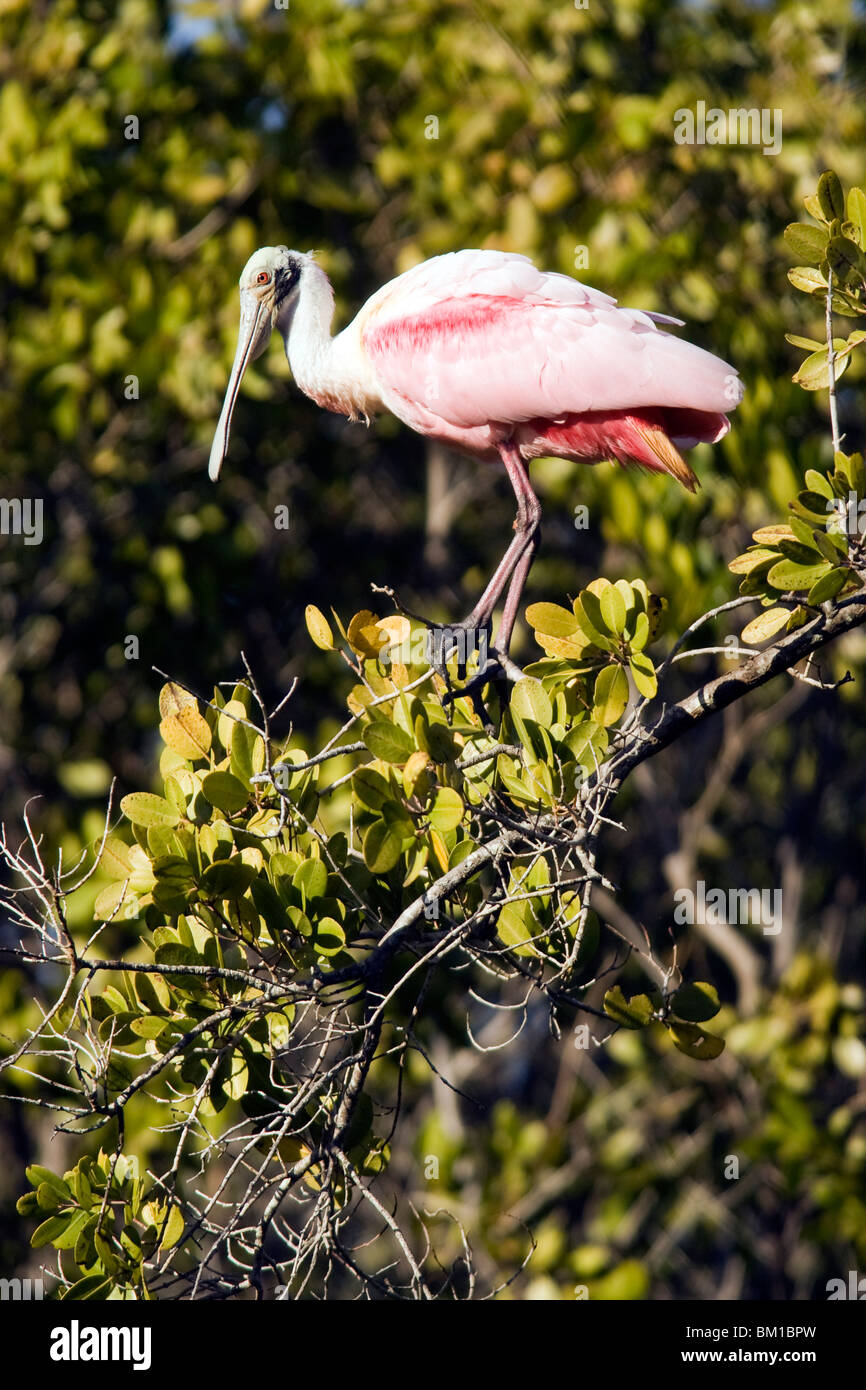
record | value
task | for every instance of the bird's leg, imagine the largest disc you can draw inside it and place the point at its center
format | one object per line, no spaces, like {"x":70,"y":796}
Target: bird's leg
{"x":475,"y":631}
{"x":514,"y":566}
{"x":525,"y":525}
{"x":518,"y":578}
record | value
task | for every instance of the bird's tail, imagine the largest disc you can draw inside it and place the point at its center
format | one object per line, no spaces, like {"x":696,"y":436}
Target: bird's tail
{"x":644,"y":437}
{"x":659,"y":453}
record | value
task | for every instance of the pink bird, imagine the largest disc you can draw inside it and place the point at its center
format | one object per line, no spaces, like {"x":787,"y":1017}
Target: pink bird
{"x":497,"y":359}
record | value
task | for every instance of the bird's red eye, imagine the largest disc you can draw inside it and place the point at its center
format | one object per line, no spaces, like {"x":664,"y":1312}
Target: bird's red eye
{"x":262,"y":278}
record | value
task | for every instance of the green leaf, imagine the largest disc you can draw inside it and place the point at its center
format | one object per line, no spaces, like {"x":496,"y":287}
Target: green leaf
{"x":828,"y":586}
{"x":820,"y":483}
{"x":48,"y":1198}
{"x":630,"y":1013}
{"x":587,"y":741}
{"x":440,"y":743}
{"x":798,"y":552}
{"x":269,"y":906}
{"x":529,"y":700}
{"x":810,"y":344}
{"x":37,"y":1175}
{"x":814,"y":373}
{"x":73,"y":1230}
{"x":644,"y":674}
{"x":227,"y":878}
{"x":811,"y":503}
{"x":329,"y":937}
{"x":175,"y":1223}
{"x":242,"y":751}
{"x":144,"y":808}
{"x":175,"y":797}
{"x":92,"y":1288}
{"x":813,"y":207}
{"x":173,"y":953}
{"x":696,"y":1003}
{"x":447,"y":810}
{"x":787,"y":575}
{"x":110,"y":899}
{"x":803,"y":532}
{"x":640,"y":637}
{"x":175,"y":883}
{"x":587,"y":608}
{"x":388,"y":742}
{"x":225,"y":791}
{"x":151,"y":991}
{"x":803,"y":277}
{"x":613,"y":609}
{"x":844,"y":259}
{"x":371,"y":787}
{"x":695,"y":1043}
{"x":808,"y":243}
{"x":551,"y":619}
{"x":279,"y":1029}
{"x":857,"y":214}
{"x":382,"y":848}
{"x":830,"y":196}
{"x":50,"y":1230}
{"x":311,"y":878}
{"x":832,"y":545}
{"x":610,"y":695}
{"x":516,"y":927}
{"x":148,"y":1026}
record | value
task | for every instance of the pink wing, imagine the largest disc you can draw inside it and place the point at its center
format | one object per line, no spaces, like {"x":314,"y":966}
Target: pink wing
{"x":483,"y":337}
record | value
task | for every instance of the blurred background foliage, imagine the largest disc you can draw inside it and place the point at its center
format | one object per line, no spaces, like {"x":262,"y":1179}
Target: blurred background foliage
{"x":146,"y":149}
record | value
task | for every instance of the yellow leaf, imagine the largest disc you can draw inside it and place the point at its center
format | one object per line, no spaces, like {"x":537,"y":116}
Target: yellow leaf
{"x":319,"y":628}
{"x":769,"y":535}
{"x":440,"y":849}
{"x":187,"y":732}
{"x":395,"y":628}
{"x":573,"y":646}
{"x":226,"y":724}
{"x":364,"y":635}
{"x":173,"y":698}
{"x":413,"y":770}
{"x":766,"y":625}
{"x":745,"y":563}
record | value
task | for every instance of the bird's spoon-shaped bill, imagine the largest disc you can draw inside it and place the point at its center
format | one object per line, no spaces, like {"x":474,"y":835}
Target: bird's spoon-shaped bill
{"x":253,"y":335}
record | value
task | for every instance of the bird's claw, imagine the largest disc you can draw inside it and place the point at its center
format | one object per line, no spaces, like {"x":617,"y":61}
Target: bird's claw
{"x":465,"y":638}
{"x":498,"y":667}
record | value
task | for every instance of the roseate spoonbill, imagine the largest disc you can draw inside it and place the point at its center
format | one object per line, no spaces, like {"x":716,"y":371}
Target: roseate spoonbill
{"x":488,"y":354}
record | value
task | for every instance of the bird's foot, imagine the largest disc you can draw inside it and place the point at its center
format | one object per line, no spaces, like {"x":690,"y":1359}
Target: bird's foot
{"x":463,"y":639}
{"x":466,"y":638}
{"x":497,"y":668}
{"x":444,"y":639}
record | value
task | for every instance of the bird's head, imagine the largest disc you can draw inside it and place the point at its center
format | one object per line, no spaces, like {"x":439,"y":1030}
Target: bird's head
{"x":269,"y":286}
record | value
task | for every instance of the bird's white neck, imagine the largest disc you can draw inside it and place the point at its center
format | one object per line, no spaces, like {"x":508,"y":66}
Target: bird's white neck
{"x":318,"y":361}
